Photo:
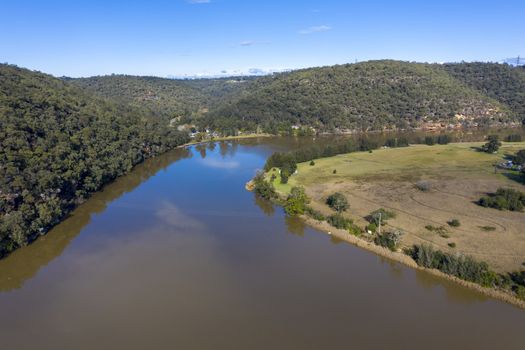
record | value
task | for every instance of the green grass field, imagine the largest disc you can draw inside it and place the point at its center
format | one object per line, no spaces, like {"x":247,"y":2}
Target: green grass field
{"x":402,"y":164}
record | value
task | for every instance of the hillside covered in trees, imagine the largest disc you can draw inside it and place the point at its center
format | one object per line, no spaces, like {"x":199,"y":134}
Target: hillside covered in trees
{"x":377,"y":95}
{"x":58,"y":144}
{"x":501,"y":82}
{"x":166,"y":98}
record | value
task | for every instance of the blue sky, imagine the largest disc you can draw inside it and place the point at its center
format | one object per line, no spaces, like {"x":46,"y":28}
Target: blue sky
{"x":184,"y":37}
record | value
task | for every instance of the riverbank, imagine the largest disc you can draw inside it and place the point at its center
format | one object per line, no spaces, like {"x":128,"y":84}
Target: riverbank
{"x":408,"y":261}
{"x":456,"y":176}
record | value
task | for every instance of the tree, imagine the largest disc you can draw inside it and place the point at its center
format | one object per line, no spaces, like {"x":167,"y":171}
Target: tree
{"x":296,"y":202}
{"x":338,"y":202}
{"x":519,"y":158}
{"x":493,"y":144}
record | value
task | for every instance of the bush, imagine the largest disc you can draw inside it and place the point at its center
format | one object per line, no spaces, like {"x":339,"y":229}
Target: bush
{"x":312,"y":163}
{"x":492,"y":145}
{"x":384,"y":214}
{"x":519,"y":158}
{"x":443,"y":139}
{"x":338,"y":202}
{"x":463,"y":267}
{"x":423,"y":186}
{"x":314,"y":214}
{"x":339,"y":221}
{"x":296,"y":202}
{"x":334,"y":172}
{"x":263,"y":188}
{"x":454,"y":223}
{"x":430,"y":140}
{"x":487,"y":228}
{"x":452,"y":245}
{"x":371,"y":227}
{"x":389,"y":240}
{"x":504,"y":199}
{"x":513,"y":138}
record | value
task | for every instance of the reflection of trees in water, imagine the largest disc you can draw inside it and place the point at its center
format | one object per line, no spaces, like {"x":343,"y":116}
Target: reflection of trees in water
{"x":335,"y":240}
{"x":223,"y":148}
{"x":24,"y":263}
{"x":228,"y":148}
{"x":201,"y":148}
{"x":266,"y":206}
{"x":454,"y":292}
{"x":295,"y":225}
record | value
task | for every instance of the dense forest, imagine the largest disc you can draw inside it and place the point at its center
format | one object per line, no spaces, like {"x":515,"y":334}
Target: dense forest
{"x":166,"y":98}
{"x":501,"y":82}
{"x":377,"y":95}
{"x":58,"y":145}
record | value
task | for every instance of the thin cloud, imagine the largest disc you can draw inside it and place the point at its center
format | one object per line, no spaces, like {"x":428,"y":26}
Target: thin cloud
{"x":252,"y":43}
{"x":198,"y":1}
{"x":315,"y":29}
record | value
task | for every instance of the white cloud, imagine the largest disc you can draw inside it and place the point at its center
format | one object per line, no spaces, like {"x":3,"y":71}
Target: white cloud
{"x":220,"y":164}
{"x":315,"y":29}
{"x":198,"y":1}
{"x":247,"y":43}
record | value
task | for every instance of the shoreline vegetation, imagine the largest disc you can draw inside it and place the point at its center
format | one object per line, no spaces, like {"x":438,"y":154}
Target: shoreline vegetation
{"x":284,"y":183}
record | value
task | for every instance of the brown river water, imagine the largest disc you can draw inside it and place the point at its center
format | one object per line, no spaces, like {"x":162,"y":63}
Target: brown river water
{"x":178,"y":255}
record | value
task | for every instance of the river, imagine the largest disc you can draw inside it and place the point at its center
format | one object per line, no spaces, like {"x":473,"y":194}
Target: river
{"x":178,"y":255}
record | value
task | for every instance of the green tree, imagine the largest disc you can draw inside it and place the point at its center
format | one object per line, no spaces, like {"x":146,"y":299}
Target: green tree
{"x":338,"y":202}
{"x":492,"y":145}
{"x":296,"y":202}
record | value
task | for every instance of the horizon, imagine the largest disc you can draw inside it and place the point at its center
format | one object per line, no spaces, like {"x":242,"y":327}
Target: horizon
{"x":508,"y":61}
{"x":187,"y":39}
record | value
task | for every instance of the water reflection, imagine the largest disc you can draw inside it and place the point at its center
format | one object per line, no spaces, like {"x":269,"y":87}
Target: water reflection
{"x":454,"y":292}
{"x":266,"y":206}
{"x":24,"y":263}
{"x":295,"y":225}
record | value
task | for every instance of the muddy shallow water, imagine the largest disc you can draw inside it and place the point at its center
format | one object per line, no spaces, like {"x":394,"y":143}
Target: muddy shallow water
{"x":178,"y":255}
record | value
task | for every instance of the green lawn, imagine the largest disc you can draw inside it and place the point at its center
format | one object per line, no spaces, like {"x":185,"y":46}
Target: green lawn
{"x":402,"y":164}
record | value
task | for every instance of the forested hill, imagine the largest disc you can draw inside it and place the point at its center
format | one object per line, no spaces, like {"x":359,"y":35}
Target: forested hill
{"x":501,"y":82}
{"x":166,"y":98}
{"x":58,"y":144}
{"x":369,"y":95}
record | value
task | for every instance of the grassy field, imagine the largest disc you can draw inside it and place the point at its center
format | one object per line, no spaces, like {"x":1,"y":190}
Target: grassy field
{"x":458,"y":175}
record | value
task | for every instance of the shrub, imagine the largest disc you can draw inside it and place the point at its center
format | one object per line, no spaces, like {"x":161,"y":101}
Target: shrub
{"x":487,"y":228}
{"x":382,"y":214}
{"x":389,"y":240}
{"x":263,"y":188}
{"x":463,"y":267}
{"x":443,"y":139}
{"x":423,"y":186}
{"x":296,"y":202}
{"x":513,"y":138}
{"x":338,"y":202}
{"x":452,"y":245}
{"x":335,"y":171}
{"x":492,"y":145}
{"x":454,"y":223}
{"x":441,"y":230}
{"x":312,"y":163}
{"x":339,"y":221}
{"x":371,"y":227}
{"x":519,"y":158}
{"x":504,"y":199}
{"x":430,"y":140}
{"x":314,"y":214}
